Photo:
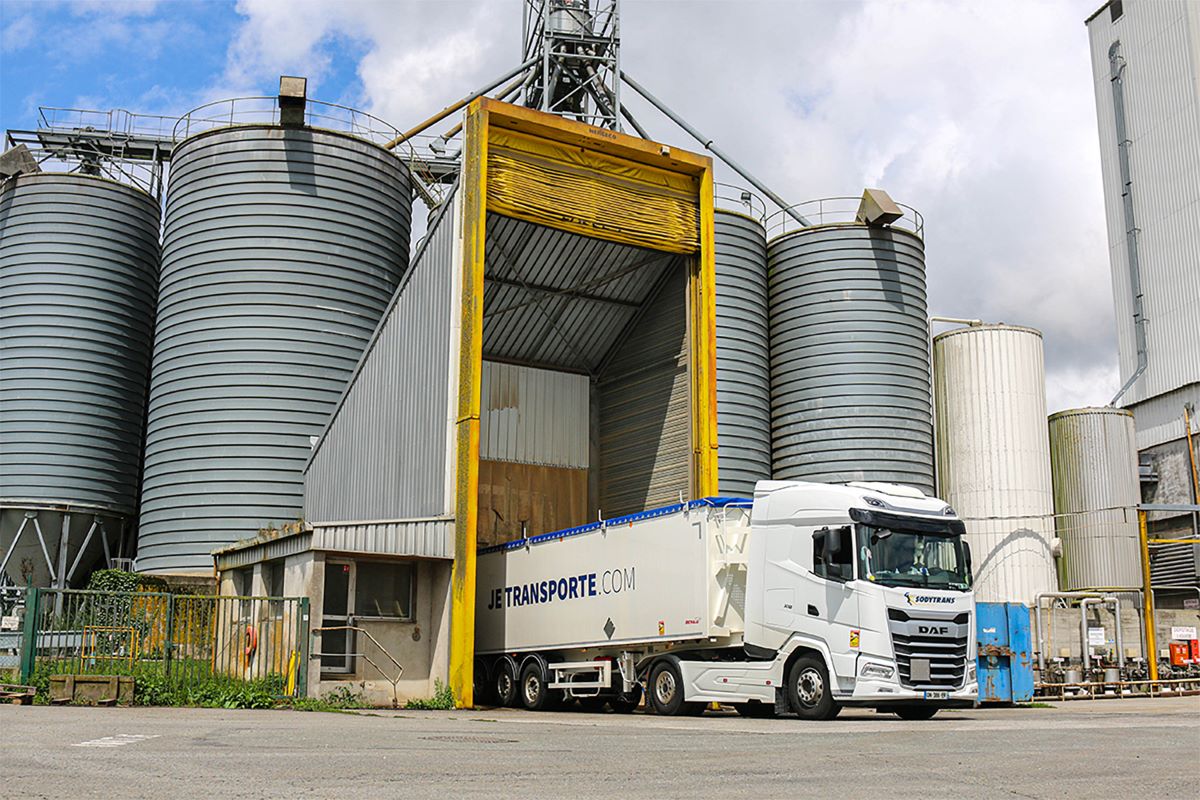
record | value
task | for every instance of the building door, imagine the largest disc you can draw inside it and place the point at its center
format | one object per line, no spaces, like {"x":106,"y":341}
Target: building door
{"x":337,"y":646}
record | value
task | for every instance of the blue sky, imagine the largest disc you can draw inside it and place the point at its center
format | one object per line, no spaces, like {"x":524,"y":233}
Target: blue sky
{"x":980,"y":115}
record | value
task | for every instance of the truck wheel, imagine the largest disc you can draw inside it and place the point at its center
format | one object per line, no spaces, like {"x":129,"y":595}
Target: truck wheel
{"x":505,"y":684}
{"x":483,"y":687}
{"x":808,"y":690}
{"x":623,"y":703}
{"x":666,"y":691}
{"x":916,"y":712}
{"x":535,"y":694}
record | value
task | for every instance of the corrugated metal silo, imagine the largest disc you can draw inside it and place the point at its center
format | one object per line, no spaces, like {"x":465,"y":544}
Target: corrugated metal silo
{"x":1093,"y":454}
{"x":850,"y":377}
{"x":743,"y":356}
{"x":78,"y":276}
{"x":994,"y":455}
{"x":281,"y":249}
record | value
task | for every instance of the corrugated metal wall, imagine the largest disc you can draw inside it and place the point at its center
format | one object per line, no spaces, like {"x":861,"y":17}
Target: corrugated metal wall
{"x":533,"y":416}
{"x":645,"y":408}
{"x":281,"y":249}
{"x":1096,"y":493}
{"x":78,"y":278}
{"x":850,"y":377}
{"x":386,"y":451}
{"x":743,"y":355}
{"x":994,"y":456}
{"x":1160,"y":43}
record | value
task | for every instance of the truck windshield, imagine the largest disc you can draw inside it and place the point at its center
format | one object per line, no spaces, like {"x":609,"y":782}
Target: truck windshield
{"x":905,"y":558}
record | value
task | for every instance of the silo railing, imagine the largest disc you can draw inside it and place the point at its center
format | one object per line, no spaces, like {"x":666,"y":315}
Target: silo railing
{"x":739,"y":199}
{"x":836,"y":211}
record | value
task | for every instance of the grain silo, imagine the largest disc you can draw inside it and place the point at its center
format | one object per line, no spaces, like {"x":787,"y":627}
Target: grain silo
{"x":1093,"y":457}
{"x":78,"y":275}
{"x":994,"y":457}
{"x":850,"y":377}
{"x":282,"y":245}
{"x":743,"y":357}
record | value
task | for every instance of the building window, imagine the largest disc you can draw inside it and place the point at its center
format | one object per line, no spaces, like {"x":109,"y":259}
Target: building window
{"x":384,"y":590}
{"x":1115,"y":9}
{"x":274,"y":574}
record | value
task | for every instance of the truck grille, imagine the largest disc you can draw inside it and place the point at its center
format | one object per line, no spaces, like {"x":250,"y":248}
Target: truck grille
{"x":940,"y":639}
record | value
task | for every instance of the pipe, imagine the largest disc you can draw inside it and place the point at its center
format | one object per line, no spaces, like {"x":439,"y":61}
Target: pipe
{"x":450,"y":109}
{"x":974,"y":323}
{"x":1116,"y":66}
{"x":1147,"y":598}
{"x":503,"y":95}
{"x":1037,"y":617}
{"x":1083,"y":634}
{"x":712,"y":148}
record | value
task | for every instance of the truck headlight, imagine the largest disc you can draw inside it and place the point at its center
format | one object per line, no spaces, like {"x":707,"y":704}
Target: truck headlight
{"x":971,"y":672}
{"x":877,"y":671}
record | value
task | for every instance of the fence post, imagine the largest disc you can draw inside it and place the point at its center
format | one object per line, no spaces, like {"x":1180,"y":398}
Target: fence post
{"x":304,"y":637}
{"x":30,"y":634}
{"x":168,"y":636}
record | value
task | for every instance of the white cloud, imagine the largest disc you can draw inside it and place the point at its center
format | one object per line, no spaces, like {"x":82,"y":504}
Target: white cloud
{"x":979,"y":115}
{"x":18,"y":34}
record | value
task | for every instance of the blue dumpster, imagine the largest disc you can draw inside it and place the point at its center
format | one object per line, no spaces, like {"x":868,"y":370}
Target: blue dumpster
{"x":1005,"y":663}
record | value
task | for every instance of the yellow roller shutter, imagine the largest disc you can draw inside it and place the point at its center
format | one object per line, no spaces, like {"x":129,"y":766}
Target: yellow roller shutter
{"x":584,"y":191}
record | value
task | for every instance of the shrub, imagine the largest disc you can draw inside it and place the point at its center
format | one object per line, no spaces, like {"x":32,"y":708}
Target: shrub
{"x":442,"y":700}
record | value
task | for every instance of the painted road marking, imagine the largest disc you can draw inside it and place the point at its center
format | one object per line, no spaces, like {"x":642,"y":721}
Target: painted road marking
{"x":116,"y":741}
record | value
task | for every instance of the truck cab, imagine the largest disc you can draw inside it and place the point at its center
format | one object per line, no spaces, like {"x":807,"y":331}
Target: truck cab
{"x":862,"y":593}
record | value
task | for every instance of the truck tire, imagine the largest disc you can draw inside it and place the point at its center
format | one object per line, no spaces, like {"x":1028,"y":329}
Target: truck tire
{"x":915,"y":712}
{"x":808,"y":690}
{"x":505,"y":684}
{"x":666,"y":691}
{"x":535,"y":692}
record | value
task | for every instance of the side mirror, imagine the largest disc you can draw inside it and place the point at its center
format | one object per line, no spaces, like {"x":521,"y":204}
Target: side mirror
{"x":967,"y":555}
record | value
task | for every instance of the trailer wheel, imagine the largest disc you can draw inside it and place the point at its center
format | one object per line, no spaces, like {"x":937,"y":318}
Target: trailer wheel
{"x":808,"y":690}
{"x":505,"y":684}
{"x":915,"y":712}
{"x":666,"y":691}
{"x":535,"y":694}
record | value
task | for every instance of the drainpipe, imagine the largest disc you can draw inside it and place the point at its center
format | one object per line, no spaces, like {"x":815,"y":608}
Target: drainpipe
{"x":1116,"y":69}
{"x":1083,"y":634}
{"x":1107,"y":600}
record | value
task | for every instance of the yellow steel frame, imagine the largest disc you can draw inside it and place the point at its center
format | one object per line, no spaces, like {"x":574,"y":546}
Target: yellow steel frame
{"x":480,"y":115}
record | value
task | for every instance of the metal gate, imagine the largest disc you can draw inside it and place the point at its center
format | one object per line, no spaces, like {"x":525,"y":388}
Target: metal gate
{"x":181,"y":638}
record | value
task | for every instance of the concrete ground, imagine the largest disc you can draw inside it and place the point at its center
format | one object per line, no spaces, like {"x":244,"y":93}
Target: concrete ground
{"x":1093,"y":749}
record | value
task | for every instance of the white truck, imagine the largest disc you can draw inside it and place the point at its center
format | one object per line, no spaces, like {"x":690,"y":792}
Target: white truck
{"x":809,"y":598}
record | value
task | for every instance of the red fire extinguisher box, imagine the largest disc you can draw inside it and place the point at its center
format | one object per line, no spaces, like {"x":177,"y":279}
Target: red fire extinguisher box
{"x":1179,"y":654}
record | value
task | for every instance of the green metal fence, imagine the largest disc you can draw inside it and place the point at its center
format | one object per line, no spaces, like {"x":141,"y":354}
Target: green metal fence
{"x":183,"y":639}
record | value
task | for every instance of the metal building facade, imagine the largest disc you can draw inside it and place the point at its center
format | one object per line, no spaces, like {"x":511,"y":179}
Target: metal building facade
{"x":281,"y":249}
{"x":743,"y":354}
{"x":1093,"y":454}
{"x":994,"y":456}
{"x":850,"y":373}
{"x":1155,"y":47}
{"x":78,"y":277}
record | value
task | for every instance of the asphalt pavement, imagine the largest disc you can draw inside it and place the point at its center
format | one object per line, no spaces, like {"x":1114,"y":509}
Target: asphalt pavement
{"x":1078,"y":749}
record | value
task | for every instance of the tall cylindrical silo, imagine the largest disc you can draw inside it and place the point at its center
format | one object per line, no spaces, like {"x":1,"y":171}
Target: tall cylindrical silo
{"x":994,"y":455}
{"x":850,"y":377}
{"x":743,"y":358}
{"x":78,"y":276}
{"x":1093,"y":457}
{"x":281,"y":249}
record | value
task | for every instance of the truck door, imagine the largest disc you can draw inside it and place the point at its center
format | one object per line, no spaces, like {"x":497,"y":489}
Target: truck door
{"x":836,"y":606}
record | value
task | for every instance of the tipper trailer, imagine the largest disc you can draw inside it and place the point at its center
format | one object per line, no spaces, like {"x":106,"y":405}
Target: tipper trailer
{"x":809,"y":598}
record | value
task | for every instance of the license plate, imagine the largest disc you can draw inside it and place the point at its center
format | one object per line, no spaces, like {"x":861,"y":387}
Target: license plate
{"x":937,"y":695}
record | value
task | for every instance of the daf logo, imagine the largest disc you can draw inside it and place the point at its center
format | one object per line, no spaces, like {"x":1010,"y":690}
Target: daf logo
{"x":934,"y":630}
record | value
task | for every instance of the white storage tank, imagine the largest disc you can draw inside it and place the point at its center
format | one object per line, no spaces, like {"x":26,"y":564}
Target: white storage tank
{"x":1093,"y":454}
{"x":994,"y":455}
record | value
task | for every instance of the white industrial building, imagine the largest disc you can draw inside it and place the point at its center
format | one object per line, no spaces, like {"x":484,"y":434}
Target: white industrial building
{"x":1146,"y":70}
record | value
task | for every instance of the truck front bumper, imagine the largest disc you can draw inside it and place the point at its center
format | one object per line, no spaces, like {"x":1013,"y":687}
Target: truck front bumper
{"x":873,"y":693}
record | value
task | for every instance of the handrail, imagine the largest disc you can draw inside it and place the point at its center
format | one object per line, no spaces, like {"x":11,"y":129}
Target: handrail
{"x":393,"y":681}
{"x":837,"y":211}
{"x":732,"y":197}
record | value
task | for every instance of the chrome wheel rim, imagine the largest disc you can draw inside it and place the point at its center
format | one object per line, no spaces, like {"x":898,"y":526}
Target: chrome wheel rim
{"x":664,"y":687}
{"x":504,"y":685}
{"x":531,"y":689}
{"x":809,"y":687}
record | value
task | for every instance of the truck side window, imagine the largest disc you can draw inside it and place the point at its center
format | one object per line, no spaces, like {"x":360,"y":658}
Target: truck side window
{"x":840,"y":565}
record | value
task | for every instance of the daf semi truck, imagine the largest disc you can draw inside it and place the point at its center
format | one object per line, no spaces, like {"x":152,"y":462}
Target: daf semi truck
{"x":809,"y":598}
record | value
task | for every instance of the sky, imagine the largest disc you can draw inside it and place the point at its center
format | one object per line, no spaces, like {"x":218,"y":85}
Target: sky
{"x":981,"y":115}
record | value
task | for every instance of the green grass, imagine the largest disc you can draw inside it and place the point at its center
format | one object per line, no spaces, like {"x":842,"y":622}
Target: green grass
{"x":442,"y":700}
